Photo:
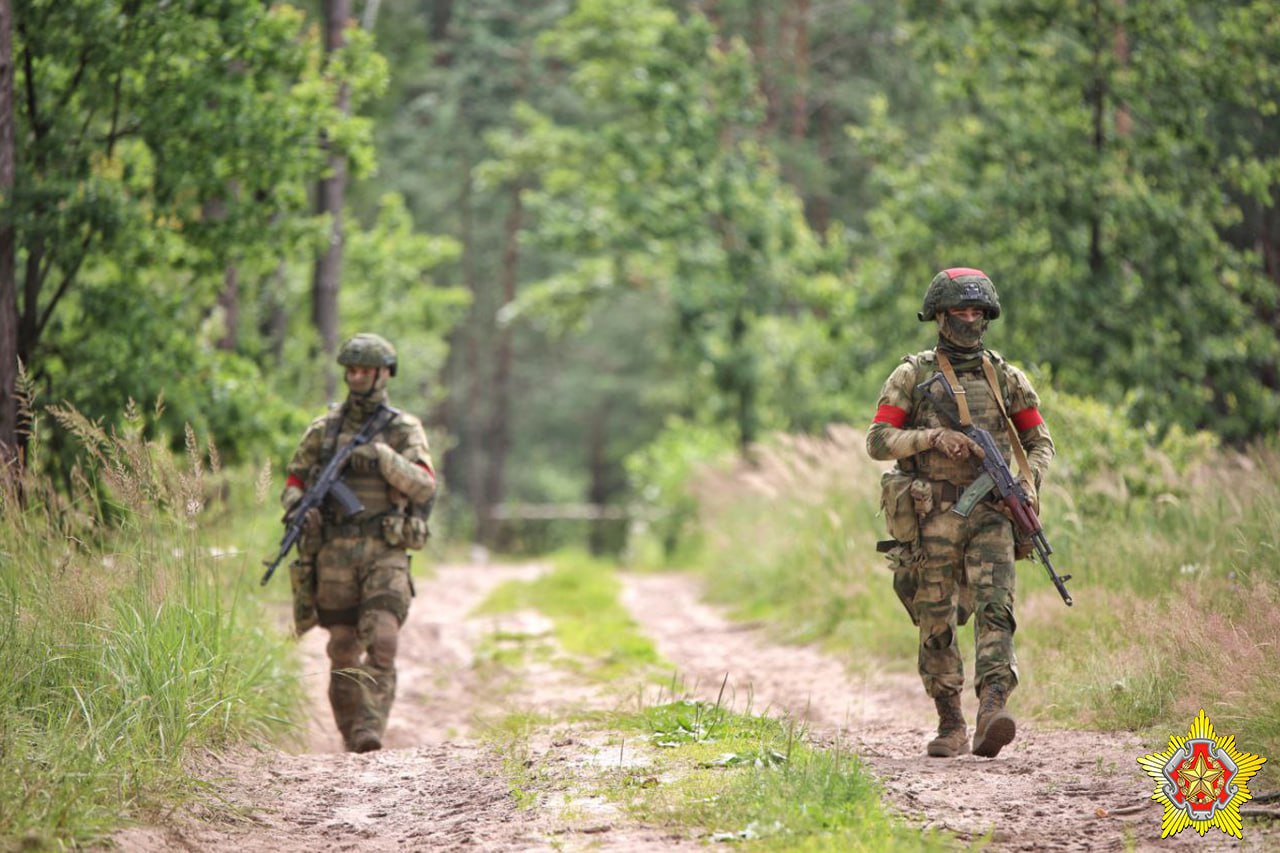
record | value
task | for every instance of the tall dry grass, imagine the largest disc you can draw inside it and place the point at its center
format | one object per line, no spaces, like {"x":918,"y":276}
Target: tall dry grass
{"x":126,"y":640}
{"x":1175,"y":563}
{"x":790,"y":537}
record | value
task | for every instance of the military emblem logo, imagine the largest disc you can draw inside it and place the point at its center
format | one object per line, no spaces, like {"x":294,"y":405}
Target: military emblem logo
{"x":1201,"y":780}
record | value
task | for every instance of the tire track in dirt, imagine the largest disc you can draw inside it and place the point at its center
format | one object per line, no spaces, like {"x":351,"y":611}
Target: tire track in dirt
{"x":1050,"y":790}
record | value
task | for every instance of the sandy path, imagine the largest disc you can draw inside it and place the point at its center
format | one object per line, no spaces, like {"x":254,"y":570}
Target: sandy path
{"x":431,"y":788}
{"x":434,"y":787}
{"x":1050,"y":790}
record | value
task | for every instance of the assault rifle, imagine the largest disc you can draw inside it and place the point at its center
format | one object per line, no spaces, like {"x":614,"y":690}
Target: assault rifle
{"x":328,"y":483}
{"x":996,"y":474}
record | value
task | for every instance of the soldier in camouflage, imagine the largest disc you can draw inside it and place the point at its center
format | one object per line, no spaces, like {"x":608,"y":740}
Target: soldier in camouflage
{"x":353,"y":574}
{"x":949,"y":566}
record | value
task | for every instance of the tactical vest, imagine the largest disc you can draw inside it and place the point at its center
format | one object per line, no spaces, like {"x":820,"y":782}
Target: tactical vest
{"x":361,"y":475}
{"x":983,"y":409}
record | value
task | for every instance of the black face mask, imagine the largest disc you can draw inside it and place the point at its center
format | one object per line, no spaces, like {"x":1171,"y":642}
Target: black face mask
{"x":962,"y":334}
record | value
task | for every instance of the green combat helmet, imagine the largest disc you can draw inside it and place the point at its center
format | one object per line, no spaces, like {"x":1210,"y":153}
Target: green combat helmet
{"x":368,"y":350}
{"x":958,"y":287}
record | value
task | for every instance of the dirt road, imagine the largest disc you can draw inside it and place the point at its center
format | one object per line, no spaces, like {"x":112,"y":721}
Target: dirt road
{"x":435,"y":786}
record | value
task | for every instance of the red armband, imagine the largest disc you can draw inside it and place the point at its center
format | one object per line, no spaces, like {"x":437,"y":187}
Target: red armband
{"x":1026,"y":419}
{"x":891,"y":415}
{"x":295,"y":482}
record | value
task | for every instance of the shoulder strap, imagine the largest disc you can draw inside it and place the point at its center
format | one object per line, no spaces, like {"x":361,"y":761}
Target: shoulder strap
{"x":331,"y":430}
{"x":962,"y":402}
{"x":1019,"y":454}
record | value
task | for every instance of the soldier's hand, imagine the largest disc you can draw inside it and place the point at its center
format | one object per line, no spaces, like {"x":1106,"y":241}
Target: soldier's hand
{"x":366,"y":457}
{"x":312,"y":521}
{"x":367,"y":451}
{"x":1032,"y":495}
{"x":955,"y":444}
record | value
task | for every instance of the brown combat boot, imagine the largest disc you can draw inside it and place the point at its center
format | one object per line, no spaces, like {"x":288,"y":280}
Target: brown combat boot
{"x":953,"y":737}
{"x":995,"y":728}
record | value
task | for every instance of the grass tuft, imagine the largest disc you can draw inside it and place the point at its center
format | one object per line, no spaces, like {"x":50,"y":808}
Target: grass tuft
{"x":126,"y":642}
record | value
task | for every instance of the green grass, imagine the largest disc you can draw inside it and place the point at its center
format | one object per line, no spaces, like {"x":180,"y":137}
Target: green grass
{"x":125,"y":646}
{"x":695,"y":767}
{"x":580,"y":595}
{"x":752,"y":780}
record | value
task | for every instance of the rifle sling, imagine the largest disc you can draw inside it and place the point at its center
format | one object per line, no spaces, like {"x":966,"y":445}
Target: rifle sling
{"x":962,"y":402}
{"x":1019,"y":454}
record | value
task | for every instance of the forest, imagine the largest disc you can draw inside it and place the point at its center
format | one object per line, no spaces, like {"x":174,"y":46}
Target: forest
{"x":646,"y":265}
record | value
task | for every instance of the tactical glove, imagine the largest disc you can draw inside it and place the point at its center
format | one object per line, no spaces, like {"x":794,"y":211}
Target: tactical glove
{"x":955,"y":444}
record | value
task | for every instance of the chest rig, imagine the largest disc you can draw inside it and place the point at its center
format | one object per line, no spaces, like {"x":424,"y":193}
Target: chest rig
{"x":361,"y":474}
{"x":980,"y":401}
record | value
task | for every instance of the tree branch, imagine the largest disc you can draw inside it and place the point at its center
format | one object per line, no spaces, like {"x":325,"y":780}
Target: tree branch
{"x":64,"y":285}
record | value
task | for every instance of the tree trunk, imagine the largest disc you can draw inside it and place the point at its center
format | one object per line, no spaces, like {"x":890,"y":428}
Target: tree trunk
{"x":800,"y":64}
{"x":274,"y":324}
{"x":215,"y":210}
{"x":499,"y":432}
{"x":229,"y":302}
{"x":760,"y":49}
{"x":598,"y":489}
{"x":329,"y":200}
{"x":440,"y":13}
{"x":1098,"y":95}
{"x":1124,"y":121}
{"x":9,"y":433}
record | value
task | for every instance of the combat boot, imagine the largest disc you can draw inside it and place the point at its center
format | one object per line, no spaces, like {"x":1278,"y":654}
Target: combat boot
{"x":953,"y":737}
{"x":365,"y":741}
{"x":995,"y":728}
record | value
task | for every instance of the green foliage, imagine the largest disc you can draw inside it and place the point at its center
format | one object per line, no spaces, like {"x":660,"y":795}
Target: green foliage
{"x":1087,"y":182}
{"x":388,"y":290}
{"x":661,"y":476}
{"x":125,"y":649}
{"x":664,"y":189}
{"x":163,"y":146}
{"x":755,"y":780}
{"x":1104,"y":460}
{"x":790,"y":537}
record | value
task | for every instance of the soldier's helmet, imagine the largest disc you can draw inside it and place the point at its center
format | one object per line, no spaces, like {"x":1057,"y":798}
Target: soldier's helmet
{"x":367,"y":350}
{"x":960,"y":287}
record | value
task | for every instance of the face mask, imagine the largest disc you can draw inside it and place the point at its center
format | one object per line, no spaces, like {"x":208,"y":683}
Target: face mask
{"x":966,"y":334}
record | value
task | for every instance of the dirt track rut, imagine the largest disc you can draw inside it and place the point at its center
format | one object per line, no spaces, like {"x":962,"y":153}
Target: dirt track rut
{"x":435,"y":787}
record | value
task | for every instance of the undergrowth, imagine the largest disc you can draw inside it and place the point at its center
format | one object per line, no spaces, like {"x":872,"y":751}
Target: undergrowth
{"x":1173,"y":549}
{"x":126,"y":637}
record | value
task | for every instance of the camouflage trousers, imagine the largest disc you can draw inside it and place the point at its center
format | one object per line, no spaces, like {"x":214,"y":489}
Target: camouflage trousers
{"x":978,"y":552}
{"x":362,"y":597}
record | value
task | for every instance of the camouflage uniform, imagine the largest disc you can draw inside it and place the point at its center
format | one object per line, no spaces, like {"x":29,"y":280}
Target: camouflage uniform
{"x":355,"y":569}
{"x":958,"y":564}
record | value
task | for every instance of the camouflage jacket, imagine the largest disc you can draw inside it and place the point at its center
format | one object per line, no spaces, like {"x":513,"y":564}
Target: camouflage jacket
{"x":404,"y":434}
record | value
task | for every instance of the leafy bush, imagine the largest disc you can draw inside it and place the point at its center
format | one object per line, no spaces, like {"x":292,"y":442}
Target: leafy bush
{"x":661,"y":476}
